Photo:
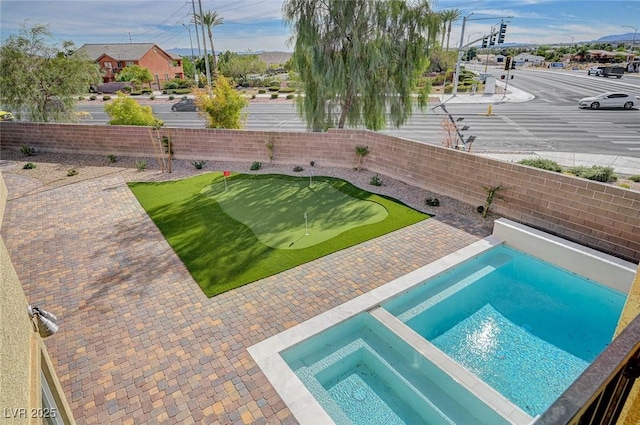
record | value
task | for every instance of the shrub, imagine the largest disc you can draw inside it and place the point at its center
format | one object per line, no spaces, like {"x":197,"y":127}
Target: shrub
{"x":127,"y":89}
{"x":106,"y":97}
{"x":291,"y":96}
{"x":92,"y":97}
{"x":256,"y":166}
{"x":545,"y":164}
{"x":112,"y":87}
{"x":298,"y":169}
{"x":253,"y":96}
{"x":361,"y":152}
{"x":146,"y":90}
{"x":80,"y":97}
{"x":274,"y":88}
{"x":27,"y":150}
{"x":225,"y":109}
{"x":432,"y":202}
{"x":182,"y":91}
{"x":286,"y":90}
{"x":198,"y":164}
{"x":126,"y":111}
{"x":170,"y":85}
{"x":135,"y":93}
{"x":141,"y":165}
{"x":152,"y":97}
{"x":112,"y":158}
{"x":262,"y":91}
{"x":375,"y":181}
{"x":596,"y":172}
{"x":274,"y":95}
{"x":29,"y":166}
{"x":72,"y":172}
{"x":635,"y":178}
{"x":171,"y":97}
{"x":625,"y":185}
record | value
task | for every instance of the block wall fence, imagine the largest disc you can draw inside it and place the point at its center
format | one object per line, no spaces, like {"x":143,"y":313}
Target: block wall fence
{"x":597,"y":215}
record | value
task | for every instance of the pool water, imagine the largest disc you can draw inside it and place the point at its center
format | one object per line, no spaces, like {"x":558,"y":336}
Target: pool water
{"x":362,"y":373}
{"x":523,"y":326}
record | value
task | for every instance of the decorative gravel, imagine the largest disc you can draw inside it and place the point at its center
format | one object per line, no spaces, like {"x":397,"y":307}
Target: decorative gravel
{"x":52,"y":168}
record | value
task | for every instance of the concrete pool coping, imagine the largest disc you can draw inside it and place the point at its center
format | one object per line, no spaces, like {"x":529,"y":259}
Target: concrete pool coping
{"x":306,"y":408}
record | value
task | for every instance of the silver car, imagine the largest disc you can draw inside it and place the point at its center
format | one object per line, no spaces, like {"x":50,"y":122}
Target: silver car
{"x":610,"y":100}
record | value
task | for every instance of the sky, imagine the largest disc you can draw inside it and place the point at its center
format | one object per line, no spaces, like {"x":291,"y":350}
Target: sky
{"x":257,"y":25}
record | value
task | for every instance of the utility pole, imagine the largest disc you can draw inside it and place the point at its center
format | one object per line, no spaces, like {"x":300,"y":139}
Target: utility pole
{"x":206,"y":56}
{"x":130,"y":37}
{"x":195,"y":25}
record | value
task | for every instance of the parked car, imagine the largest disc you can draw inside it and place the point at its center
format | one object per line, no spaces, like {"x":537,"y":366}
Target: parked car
{"x":6,"y":116}
{"x":185,"y":105}
{"x":610,"y":100}
{"x":595,"y":70}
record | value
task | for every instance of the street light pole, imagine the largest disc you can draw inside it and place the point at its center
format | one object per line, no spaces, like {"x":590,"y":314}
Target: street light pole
{"x":570,"y":47}
{"x":457,"y":73}
{"x":190,"y":40}
{"x":195,"y":71}
{"x":635,"y":31}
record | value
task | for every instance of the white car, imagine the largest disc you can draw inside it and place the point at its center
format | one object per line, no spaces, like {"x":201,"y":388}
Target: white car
{"x":595,"y":70}
{"x":610,"y":100}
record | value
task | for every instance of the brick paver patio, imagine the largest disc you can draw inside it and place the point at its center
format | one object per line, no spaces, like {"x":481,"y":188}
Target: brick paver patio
{"x":138,"y":340}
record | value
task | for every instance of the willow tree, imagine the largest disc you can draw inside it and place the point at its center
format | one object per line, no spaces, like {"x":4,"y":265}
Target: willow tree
{"x":359,"y":59}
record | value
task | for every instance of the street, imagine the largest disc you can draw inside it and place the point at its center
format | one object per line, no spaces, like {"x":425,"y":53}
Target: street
{"x":550,"y":122}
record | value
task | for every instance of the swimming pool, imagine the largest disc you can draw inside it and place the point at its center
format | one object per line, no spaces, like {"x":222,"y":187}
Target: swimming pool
{"x":522,"y":325}
{"x":358,"y":359}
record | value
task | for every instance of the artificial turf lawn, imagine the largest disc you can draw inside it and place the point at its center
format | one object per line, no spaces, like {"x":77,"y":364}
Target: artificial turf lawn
{"x":282,"y":205}
{"x":211,"y":229}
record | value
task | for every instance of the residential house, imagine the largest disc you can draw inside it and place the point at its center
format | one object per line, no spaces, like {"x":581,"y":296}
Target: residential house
{"x":113,"y":57}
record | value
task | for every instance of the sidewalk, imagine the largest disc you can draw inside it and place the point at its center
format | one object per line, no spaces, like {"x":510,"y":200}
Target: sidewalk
{"x":620,"y":164}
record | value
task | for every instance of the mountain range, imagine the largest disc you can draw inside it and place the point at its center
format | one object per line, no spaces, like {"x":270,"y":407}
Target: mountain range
{"x":271,"y":56}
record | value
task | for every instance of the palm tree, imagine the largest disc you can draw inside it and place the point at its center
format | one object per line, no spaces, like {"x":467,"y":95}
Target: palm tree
{"x":210,"y":19}
{"x":449,"y":16}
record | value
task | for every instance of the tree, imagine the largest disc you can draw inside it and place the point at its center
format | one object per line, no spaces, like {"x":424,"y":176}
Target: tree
{"x":224,"y":109}
{"x":42,"y":79}
{"x":357,"y":59}
{"x":210,"y":19}
{"x":126,"y":111}
{"x":188,"y":67}
{"x":239,"y":66}
{"x":136,"y":74}
{"x":448,"y":17}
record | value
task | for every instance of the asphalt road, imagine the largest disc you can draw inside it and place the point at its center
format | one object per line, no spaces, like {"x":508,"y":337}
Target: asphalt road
{"x":549,"y":122}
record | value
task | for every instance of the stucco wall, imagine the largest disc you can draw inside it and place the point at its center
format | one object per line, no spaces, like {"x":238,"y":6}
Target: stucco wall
{"x":600,"y":216}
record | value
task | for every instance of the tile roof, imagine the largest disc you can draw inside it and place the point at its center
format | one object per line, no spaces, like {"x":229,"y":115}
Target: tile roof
{"x":120,"y":51}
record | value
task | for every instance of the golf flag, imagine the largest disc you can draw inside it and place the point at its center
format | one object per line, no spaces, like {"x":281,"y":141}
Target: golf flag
{"x":225,"y":174}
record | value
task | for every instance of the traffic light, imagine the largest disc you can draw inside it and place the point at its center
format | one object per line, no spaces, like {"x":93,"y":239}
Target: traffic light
{"x":507,"y":63}
{"x":492,"y":41}
{"x":503,"y":31}
{"x":484,"y":43}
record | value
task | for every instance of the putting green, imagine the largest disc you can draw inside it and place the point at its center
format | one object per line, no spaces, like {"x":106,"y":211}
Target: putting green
{"x":274,"y":209}
{"x":234,"y":237}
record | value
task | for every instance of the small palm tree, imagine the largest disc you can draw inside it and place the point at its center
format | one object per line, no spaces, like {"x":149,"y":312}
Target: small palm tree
{"x":210,"y":19}
{"x":449,"y":16}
